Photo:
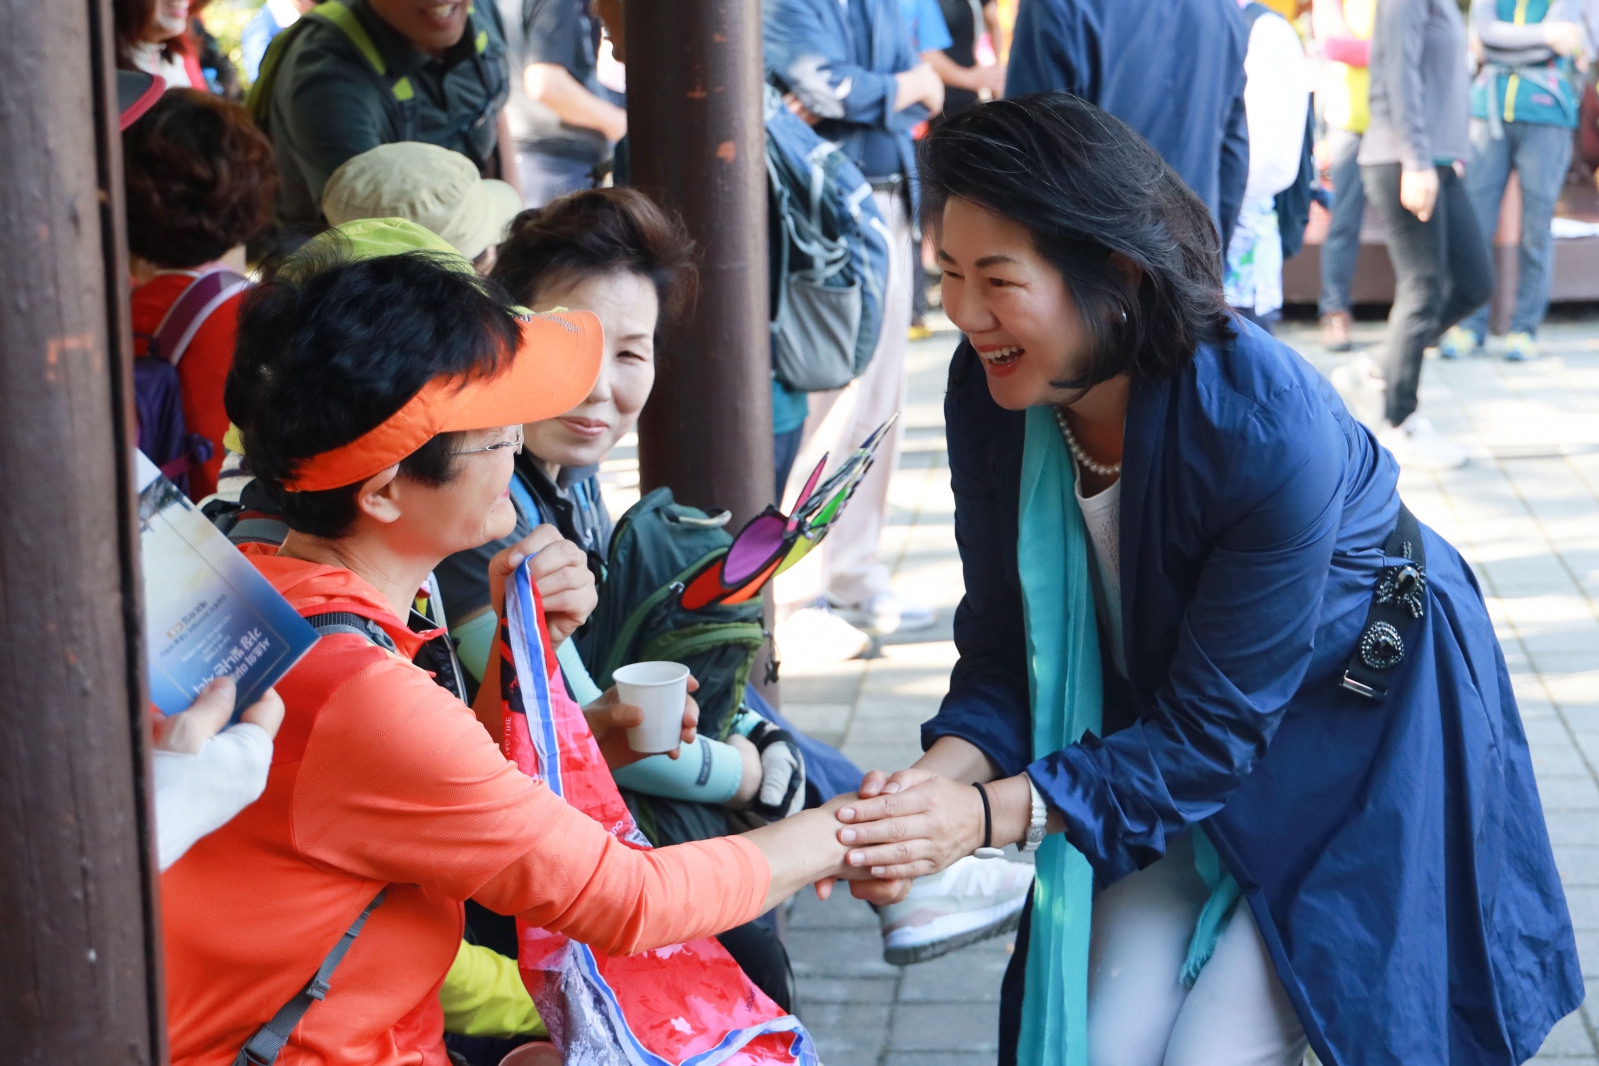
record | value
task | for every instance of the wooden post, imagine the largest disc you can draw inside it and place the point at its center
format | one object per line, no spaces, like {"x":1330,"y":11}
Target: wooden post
{"x":697,"y":141}
{"x":79,"y":934}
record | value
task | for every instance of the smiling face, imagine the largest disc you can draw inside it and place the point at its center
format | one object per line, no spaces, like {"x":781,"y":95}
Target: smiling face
{"x":168,"y":19}
{"x":432,"y":25}
{"x":628,"y":307}
{"x":1012,"y":304}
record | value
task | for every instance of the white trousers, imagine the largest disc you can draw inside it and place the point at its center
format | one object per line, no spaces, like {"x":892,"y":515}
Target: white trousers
{"x":838,"y":420}
{"x":1139,"y":1013}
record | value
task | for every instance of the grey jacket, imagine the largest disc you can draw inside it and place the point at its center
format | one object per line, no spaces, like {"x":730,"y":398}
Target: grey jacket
{"x":1420,"y":104}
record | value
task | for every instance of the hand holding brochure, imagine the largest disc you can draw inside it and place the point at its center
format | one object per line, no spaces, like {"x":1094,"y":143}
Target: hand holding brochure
{"x":207,"y":611}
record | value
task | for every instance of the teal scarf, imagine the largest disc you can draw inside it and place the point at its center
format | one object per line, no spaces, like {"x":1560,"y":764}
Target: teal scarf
{"x":1053,"y":557}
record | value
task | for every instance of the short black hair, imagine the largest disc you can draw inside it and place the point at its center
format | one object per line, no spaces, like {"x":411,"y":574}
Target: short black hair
{"x":1085,"y":186}
{"x":329,"y":348}
{"x":599,"y":231}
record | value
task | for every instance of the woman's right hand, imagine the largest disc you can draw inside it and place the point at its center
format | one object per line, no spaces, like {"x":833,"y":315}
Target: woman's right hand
{"x":187,"y":731}
{"x":560,"y":571}
{"x":1418,"y":192}
{"x":1563,"y":38}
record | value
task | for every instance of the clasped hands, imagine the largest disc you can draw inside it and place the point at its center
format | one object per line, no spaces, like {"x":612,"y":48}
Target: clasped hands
{"x":917,"y":822}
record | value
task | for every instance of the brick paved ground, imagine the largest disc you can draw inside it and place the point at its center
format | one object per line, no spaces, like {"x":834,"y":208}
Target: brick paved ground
{"x":1525,"y":512}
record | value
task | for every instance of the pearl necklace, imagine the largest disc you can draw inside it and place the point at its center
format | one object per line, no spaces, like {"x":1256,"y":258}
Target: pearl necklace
{"x":1083,"y":460}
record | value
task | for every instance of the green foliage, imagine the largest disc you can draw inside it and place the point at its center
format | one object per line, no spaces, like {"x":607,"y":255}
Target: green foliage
{"x":225,"y":20}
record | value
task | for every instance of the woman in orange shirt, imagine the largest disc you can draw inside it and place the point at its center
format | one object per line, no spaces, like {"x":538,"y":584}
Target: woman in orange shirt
{"x":200,"y":181}
{"x":380,"y":392}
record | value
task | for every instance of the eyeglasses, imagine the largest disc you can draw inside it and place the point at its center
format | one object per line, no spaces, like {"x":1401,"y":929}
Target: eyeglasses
{"x":515,"y":444}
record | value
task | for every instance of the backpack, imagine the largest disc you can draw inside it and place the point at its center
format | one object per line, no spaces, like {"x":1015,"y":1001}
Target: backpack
{"x":1293,"y":203}
{"x":659,"y":544}
{"x":829,"y":255}
{"x":157,"y":392}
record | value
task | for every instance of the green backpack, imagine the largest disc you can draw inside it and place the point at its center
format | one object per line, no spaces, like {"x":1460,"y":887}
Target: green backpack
{"x":657,"y":546}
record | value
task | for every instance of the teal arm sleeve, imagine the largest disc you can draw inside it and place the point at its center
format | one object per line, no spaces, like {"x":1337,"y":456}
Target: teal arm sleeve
{"x":474,"y":640}
{"x":584,"y":690}
{"x":706,"y":771}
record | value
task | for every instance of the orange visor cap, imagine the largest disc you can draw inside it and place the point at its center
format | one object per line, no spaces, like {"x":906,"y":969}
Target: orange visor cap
{"x":554,"y":368}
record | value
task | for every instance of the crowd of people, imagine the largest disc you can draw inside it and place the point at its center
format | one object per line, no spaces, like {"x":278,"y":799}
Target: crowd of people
{"x":394,"y":304}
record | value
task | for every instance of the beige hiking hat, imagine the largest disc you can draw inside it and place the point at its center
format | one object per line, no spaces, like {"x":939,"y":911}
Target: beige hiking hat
{"x":436,"y":188}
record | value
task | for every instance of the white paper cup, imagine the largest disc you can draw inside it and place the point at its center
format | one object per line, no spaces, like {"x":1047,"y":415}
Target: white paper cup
{"x":661,"y":689}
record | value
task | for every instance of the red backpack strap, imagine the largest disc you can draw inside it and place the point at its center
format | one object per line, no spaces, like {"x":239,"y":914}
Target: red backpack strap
{"x":214,"y":287}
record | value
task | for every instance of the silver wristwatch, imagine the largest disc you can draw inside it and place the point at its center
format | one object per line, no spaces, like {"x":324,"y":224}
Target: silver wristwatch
{"x":1035,"y":825}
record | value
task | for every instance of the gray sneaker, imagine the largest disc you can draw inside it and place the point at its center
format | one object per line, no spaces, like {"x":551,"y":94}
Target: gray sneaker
{"x":972,"y":900}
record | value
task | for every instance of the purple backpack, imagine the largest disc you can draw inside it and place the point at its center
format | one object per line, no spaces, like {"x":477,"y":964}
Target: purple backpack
{"x":157,"y":396}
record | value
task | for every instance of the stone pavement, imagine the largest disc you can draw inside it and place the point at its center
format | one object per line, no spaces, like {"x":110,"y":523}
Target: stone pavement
{"x":1525,"y":513}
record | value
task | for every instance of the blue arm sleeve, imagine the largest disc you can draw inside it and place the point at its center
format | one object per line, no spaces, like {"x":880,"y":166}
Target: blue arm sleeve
{"x":584,"y":690}
{"x":988,"y":702}
{"x":474,"y":641}
{"x":1243,"y":646}
{"x":706,"y":771}
{"x":810,"y":59}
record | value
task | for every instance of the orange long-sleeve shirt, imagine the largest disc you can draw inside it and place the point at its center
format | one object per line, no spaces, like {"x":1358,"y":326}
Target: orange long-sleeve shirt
{"x":380,"y":777}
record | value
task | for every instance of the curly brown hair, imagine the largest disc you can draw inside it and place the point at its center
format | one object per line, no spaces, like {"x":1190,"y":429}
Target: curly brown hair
{"x":199,"y":177}
{"x":599,"y":231}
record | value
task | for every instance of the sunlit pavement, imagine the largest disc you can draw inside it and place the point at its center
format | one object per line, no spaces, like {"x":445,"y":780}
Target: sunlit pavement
{"x":1525,"y":512}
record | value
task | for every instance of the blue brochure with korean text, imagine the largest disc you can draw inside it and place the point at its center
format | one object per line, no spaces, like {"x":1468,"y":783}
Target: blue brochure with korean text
{"x":207,"y":611}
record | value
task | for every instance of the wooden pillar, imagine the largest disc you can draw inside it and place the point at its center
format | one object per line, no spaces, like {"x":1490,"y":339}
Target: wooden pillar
{"x":79,"y":944}
{"x":697,"y":145}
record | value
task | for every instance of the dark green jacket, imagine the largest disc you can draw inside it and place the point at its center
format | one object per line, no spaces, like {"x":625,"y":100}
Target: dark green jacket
{"x":343,"y":81}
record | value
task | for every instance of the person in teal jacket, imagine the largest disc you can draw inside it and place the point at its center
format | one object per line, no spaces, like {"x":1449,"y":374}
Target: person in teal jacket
{"x":1523,"y":110}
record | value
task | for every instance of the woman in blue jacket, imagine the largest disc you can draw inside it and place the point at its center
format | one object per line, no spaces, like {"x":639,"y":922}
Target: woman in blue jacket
{"x":1206,"y":656}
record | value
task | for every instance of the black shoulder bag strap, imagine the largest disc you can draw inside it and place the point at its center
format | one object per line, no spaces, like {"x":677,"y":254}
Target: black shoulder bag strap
{"x":268,"y":1041}
{"x":267,"y":1044}
{"x":1398,"y":600}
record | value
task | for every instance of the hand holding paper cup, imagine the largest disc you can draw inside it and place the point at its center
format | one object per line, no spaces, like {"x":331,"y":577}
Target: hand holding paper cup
{"x":660,"y":688}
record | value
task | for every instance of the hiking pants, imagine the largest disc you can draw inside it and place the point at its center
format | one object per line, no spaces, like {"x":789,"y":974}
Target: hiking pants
{"x":1441,"y":271}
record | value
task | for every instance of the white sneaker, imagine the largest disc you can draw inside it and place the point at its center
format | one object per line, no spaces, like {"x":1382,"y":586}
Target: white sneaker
{"x":972,"y":900}
{"x":885,"y":613}
{"x":1415,"y":442}
{"x":815,"y":635}
{"x":1362,"y":387}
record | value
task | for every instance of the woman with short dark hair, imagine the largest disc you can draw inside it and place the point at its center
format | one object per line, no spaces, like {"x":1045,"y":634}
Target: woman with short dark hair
{"x":1206,"y":656}
{"x":199,"y":180}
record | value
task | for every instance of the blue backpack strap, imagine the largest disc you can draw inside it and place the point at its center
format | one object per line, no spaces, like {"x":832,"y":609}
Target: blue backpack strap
{"x":268,"y":1042}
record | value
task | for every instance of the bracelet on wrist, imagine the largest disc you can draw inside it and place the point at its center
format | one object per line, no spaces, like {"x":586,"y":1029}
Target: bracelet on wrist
{"x":987,"y":851}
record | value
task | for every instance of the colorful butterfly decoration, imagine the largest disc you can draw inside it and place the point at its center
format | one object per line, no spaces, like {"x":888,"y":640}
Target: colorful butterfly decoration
{"x":771,"y":542}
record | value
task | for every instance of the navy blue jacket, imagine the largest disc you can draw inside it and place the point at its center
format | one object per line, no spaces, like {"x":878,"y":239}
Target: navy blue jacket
{"x":1173,"y":70}
{"x":809,"y":52}
{"x":1394,"y":854}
